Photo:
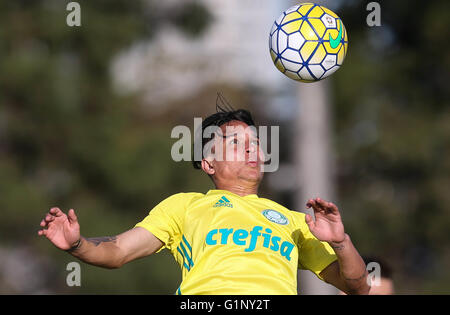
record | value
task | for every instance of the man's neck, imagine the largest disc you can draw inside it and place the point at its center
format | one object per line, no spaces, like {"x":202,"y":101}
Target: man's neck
{"x":240,"y":190}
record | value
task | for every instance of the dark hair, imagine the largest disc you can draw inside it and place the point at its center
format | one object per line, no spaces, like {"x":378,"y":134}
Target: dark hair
{"x":224,"y":113}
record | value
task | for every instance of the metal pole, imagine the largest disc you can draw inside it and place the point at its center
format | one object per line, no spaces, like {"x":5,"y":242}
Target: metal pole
{"x":313,"y":159}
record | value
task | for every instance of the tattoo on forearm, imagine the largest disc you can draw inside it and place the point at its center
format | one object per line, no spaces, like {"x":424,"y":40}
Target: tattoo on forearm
{"x":75,"y":247}
{"x":105,"y":239}
{"x":337,"y":247}
{"x":356,"y":279}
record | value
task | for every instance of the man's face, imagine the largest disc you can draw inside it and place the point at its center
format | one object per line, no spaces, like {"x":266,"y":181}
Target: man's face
{"x":235,"y":154}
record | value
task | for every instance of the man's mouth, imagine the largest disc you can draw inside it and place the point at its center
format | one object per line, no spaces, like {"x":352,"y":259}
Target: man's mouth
{"x":252,"y":163}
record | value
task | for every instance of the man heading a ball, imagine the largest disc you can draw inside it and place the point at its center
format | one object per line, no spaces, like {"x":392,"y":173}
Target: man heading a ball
{"x":229,"y":240}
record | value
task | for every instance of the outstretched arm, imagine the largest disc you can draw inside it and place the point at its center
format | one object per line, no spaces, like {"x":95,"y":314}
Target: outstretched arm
{"x":349,"y":272}
{"x":109,"y":252}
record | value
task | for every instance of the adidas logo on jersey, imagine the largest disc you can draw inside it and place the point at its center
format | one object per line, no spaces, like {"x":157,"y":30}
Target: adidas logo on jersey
{"x":223,"y":202}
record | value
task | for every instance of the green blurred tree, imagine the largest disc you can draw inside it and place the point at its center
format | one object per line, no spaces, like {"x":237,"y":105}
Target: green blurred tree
{"x":392,"y":119}
{"x":67,"y":139}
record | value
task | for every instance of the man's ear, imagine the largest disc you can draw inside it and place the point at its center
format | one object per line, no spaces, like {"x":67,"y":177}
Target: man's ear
{"x":208,"y":167}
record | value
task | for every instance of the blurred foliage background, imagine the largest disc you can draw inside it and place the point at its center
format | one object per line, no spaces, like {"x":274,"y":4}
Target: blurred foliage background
{"x":69,"y":139}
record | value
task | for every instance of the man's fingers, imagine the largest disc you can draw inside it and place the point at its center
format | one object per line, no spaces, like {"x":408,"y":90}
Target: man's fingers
{"x":309,"y":221}
{"x":333,"y":208}
{"x":56,"y":212}
{"x":48,"y":218}
{"x":72,"y":216}
{"x":51,"y":216}
{"x":312,"y":203}
{"x":321,"y":205}
{"x":327,"y":206}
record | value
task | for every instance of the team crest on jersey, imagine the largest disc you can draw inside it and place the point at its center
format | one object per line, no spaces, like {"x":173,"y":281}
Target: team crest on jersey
{"x":275,"y":216}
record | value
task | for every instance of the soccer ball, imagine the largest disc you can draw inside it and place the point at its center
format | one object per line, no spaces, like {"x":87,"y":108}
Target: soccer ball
{"x":308,"y":42}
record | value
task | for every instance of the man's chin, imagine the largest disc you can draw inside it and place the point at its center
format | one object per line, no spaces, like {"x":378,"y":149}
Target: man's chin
{"x":253,"y":174}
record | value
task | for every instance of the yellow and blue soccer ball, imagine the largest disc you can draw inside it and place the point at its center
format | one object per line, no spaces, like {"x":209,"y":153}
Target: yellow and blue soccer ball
{"x":308,"y":42}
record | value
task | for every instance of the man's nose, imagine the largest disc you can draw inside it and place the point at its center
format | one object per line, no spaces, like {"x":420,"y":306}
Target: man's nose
{"x":251,"y":148}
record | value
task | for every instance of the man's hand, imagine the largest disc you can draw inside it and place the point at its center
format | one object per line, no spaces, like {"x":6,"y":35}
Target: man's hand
{"x":349,"y":272}
{"x":61,"y":229}
{"x":328,"y":226}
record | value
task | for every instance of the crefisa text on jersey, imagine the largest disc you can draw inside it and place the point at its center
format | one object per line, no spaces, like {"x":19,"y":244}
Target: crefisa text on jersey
{"x":232,"y":304}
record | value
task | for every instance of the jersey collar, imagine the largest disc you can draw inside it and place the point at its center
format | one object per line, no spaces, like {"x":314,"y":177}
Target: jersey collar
{"x":226,"y":192}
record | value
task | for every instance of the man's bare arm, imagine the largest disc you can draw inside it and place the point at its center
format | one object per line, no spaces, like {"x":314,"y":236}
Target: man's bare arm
{"x":109,"y":252}
{"x":349,"y":272}
{"x":115,"y":251}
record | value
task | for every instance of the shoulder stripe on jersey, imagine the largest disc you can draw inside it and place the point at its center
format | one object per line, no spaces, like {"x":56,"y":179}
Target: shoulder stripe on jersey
{"x":187,"y":244}
{"x":191,"y":263}
{"x":184,"y":262}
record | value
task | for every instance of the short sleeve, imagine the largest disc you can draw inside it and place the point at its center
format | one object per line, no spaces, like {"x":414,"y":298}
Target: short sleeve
{"x":166,"y":220}
{"x":313,"y":255}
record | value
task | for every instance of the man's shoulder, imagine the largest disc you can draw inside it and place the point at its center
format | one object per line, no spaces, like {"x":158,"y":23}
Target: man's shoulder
{"x":177,"y":203}
{"x":185,"y":197}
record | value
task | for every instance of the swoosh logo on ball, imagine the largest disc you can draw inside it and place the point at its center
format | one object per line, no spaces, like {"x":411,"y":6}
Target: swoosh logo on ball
{"x":334,"y":42}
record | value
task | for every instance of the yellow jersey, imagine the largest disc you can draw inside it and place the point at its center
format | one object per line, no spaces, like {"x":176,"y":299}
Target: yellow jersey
{"x":228,"y":244}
